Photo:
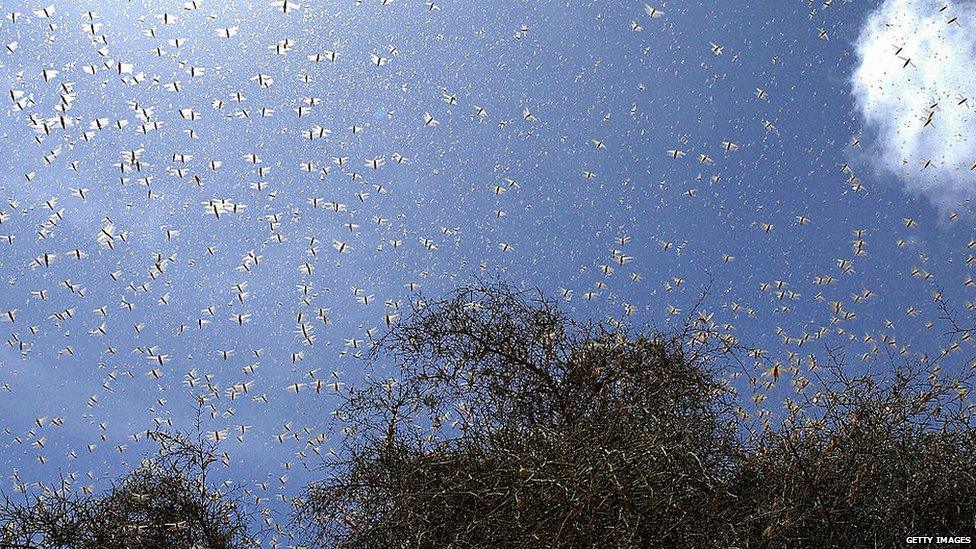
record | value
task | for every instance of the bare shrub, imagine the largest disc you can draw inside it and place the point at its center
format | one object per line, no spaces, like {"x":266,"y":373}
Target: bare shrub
{"x":506,"y":423}
{"x":500,"y":421}
{"x":165,"y":502}
{"x":866,"y":461}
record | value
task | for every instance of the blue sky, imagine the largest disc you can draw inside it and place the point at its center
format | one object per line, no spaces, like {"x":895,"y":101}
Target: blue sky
{"x":580,"y":111}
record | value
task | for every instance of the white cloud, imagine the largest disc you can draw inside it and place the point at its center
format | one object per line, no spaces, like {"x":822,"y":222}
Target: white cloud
{"x":916,"y":58}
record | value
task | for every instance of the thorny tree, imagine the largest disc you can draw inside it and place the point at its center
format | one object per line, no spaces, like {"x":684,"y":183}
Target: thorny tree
{"x":865,"y":461}
{"x":166,"y":502}
{"x":507,"y":423}
{"x":868,"y":459}
{"x":500,"y":421}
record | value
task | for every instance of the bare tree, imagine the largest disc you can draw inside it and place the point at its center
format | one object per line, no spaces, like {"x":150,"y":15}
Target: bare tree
{"x":507,"y":423}
{"x":866,"y":461}
{"x":492,"y":418}
{"x":165,"y":502}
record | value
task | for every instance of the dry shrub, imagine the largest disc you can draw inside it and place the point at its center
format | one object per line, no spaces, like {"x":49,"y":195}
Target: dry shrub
{"x":866,"y":461}
{"x":165,"y":502}
{"x":500,"y":421}
{"x":509,"y":424}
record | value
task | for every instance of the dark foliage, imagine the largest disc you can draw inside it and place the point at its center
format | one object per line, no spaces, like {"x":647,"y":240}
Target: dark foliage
{"x":165,"y":502}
